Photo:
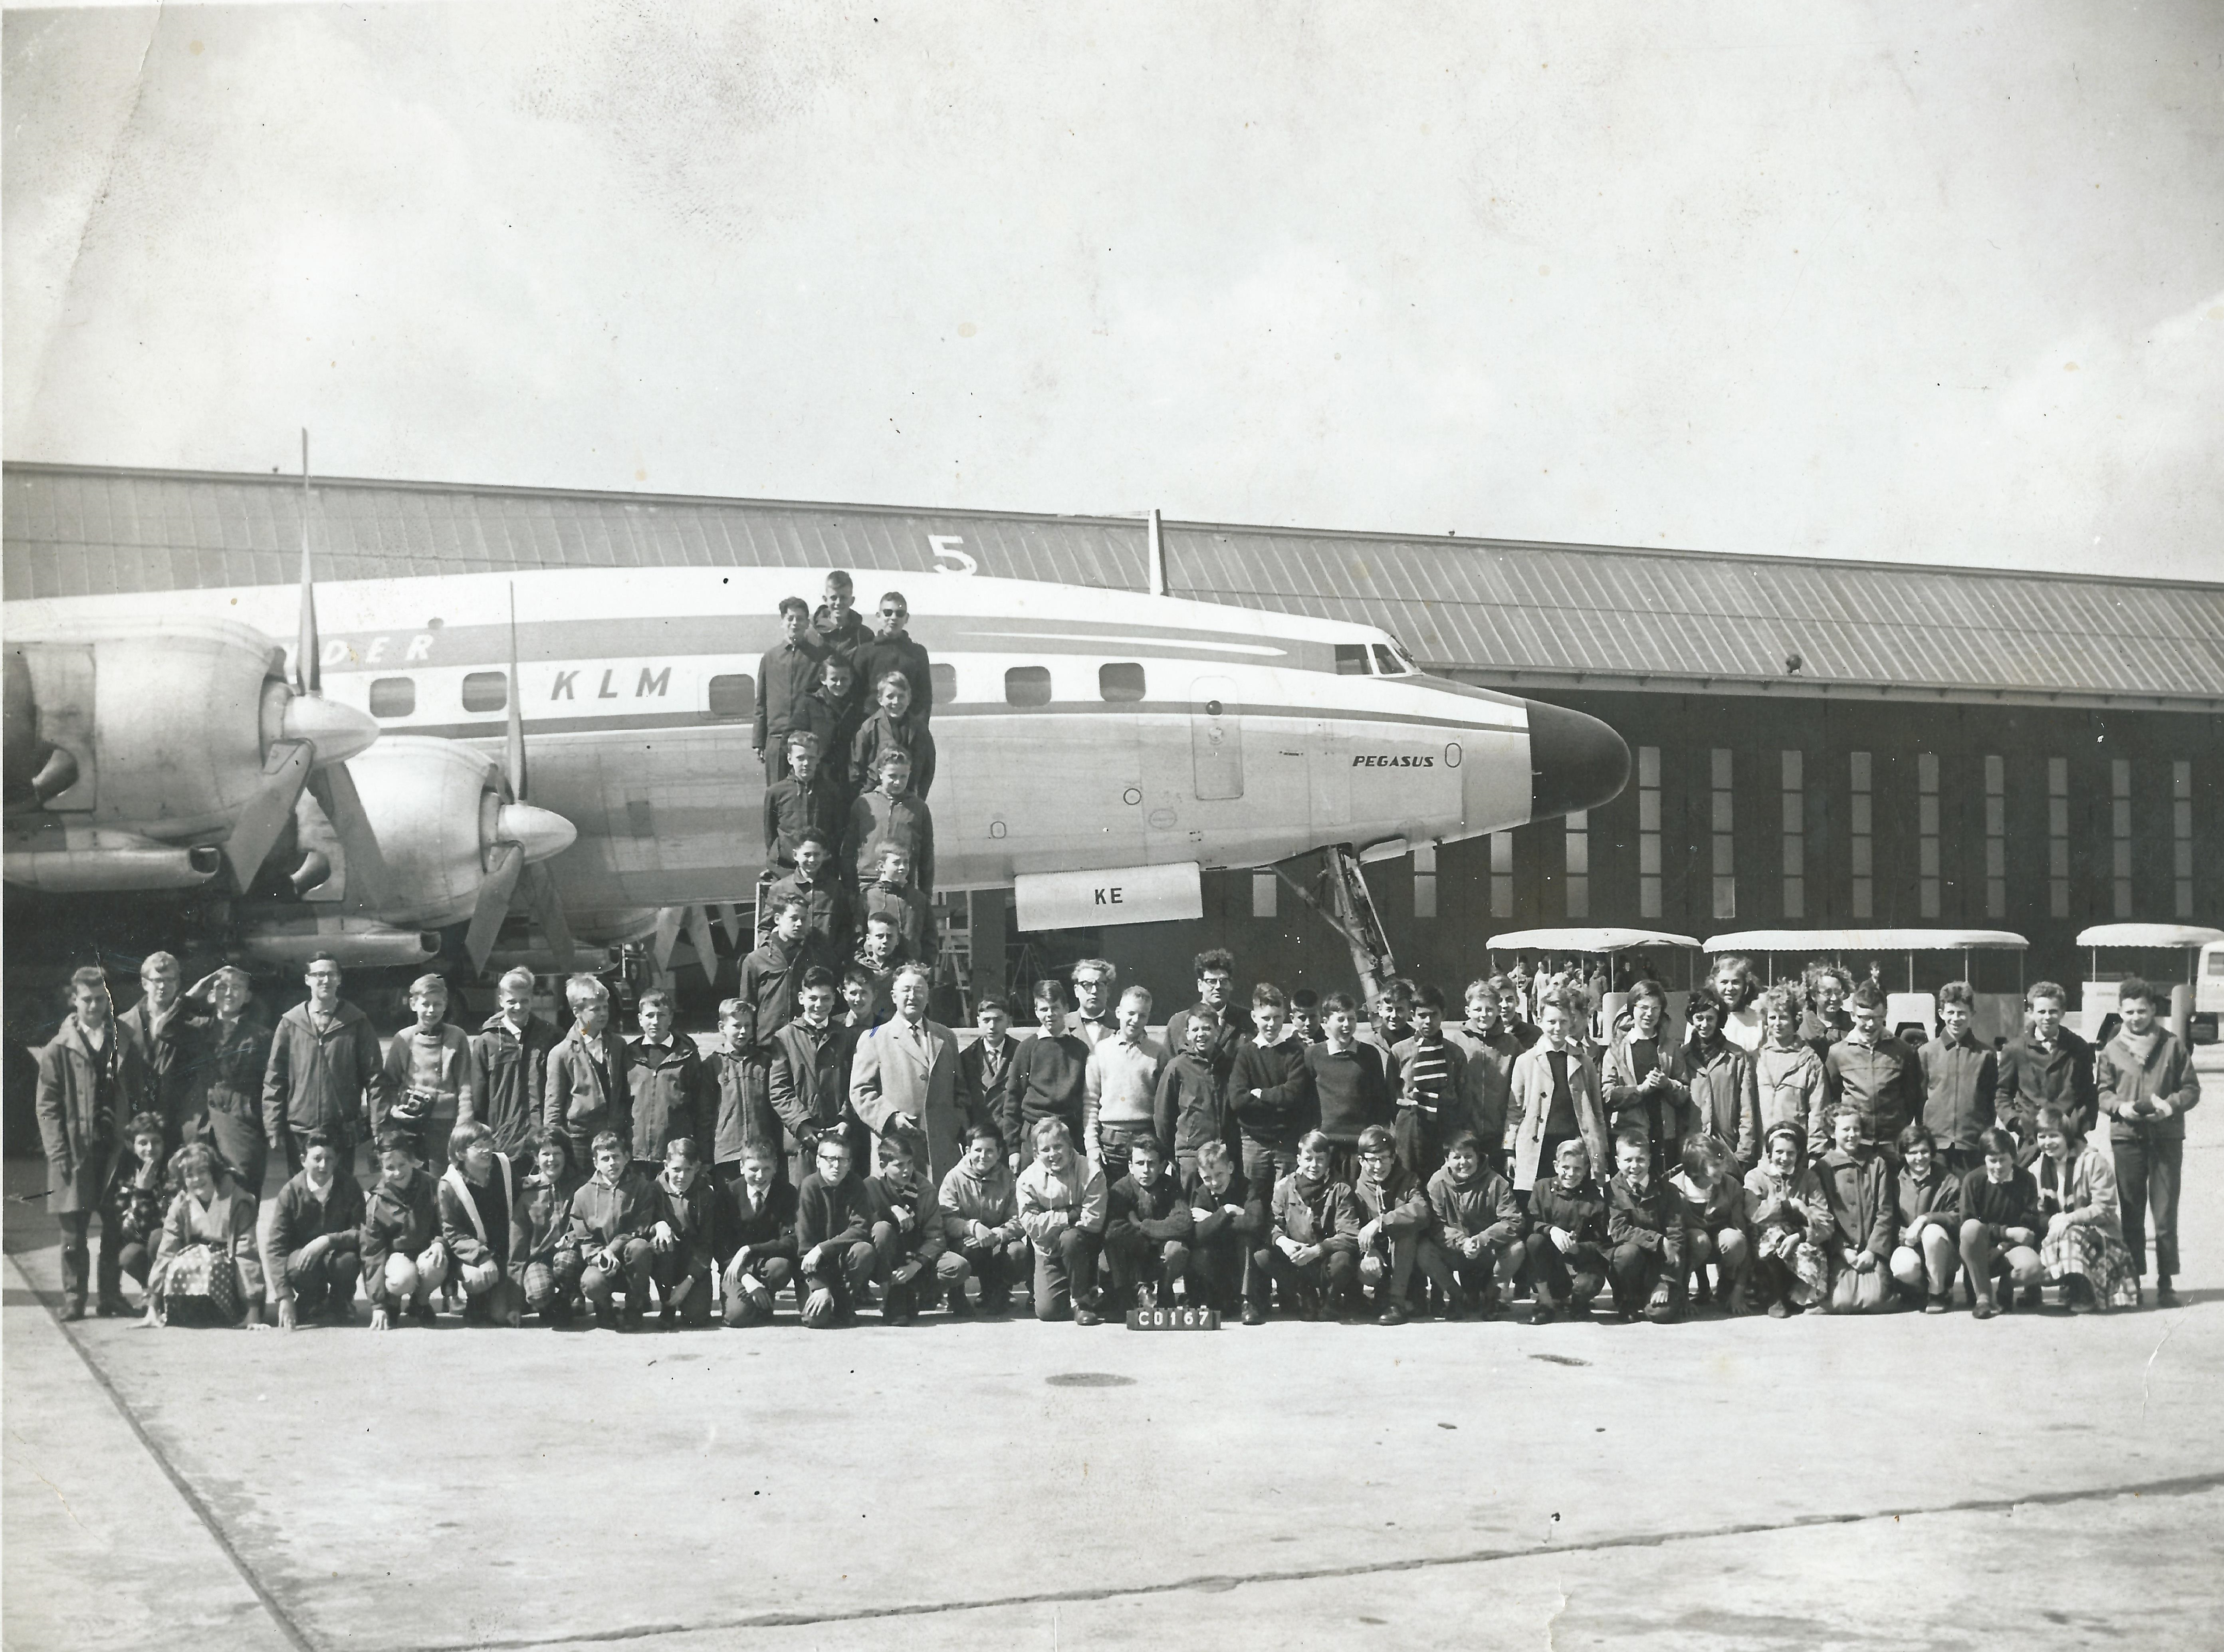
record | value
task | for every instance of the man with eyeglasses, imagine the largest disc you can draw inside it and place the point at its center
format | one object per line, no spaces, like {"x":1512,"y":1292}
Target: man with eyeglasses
{"x":893,"y":649}
{"x":325,"y":1062}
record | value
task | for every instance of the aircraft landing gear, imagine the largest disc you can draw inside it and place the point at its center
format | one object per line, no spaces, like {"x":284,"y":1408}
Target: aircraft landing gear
{"x":1339,"y":894}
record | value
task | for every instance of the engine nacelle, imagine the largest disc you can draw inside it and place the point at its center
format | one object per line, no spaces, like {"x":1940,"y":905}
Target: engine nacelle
{"x":162,"y":727}
{"x":438,"y":811}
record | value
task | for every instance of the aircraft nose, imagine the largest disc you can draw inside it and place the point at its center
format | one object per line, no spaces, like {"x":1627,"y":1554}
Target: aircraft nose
{"x":337,"y":732}
{"x":1575,"y":762}
{"x":540,"y":832}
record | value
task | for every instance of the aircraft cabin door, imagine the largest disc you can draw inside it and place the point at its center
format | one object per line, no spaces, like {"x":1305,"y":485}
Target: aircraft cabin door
{"x":1216,"y":739}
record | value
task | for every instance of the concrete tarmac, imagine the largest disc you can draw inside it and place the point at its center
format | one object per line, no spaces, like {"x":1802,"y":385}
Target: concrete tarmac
{"x":1911,"y":1481}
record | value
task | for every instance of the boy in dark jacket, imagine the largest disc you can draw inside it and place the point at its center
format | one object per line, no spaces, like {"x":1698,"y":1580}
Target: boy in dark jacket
{"x":833,"y":1236}
{"x":544,"y":1253}
{"x":509,"y":1067}
{"x":403,"y":1259}
{"x":1395,"y":1223}
{"x":1875,"y":1074}
{"x":315,"y":1245}
{"x":1227,"y":1216}
{"x":2000,"y":1226}
{"x":1049,"y":1075}
{"x":763,"y":1216}
{"x":611,"y":1212}
{"x":1477,"y":1245}
{"x":1961,"y":1076}
{"x":892,"y":816}
{"x":1147,"y":1231}
{"x":667,"y":1082}
{"x":1312,"y":1240}
{"x":907,"y":1233}
{"x":132,"y":1212}
{"x":810,"y":799}
{"x":1566,"y":1246}
{"x":892,"y":727}
{"x":1270,"y":1091}
{"x":2047,"y":1066}
{"x":1350,"y":1081}
{"x":687,"y":1236}
{"x":1645,"y":1230}
{"x":893,"y":896}
{"x":1189,"y":1110}
{"x":737,"y":1091}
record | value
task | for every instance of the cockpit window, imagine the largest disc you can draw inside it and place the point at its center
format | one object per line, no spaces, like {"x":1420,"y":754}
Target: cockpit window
{"x":1351,"y":658}
{"x":1404,"y":656}
{"x":1386,"y":663}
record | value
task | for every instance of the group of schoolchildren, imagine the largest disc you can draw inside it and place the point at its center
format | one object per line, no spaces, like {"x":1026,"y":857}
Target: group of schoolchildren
{"x":1770,"y":1154}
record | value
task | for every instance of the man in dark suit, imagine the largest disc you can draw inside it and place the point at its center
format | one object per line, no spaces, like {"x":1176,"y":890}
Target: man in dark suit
{"x":984,"y":1071}
{"x":810,"y":1086}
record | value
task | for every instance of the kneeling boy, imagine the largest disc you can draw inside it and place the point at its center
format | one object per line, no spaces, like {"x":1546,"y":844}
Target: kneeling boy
{"x":610,"y":1214}
{"x":1312,"y":1240}
{"x":833,"y":1236}
{"x":907,"y":1234}
{"x":1062,"y":1207}
{"x":1395,"y":1222}
{"x":982,"y":1241}
{"x":1566,"y":1246}
{"x":1148,"y":1226}
{"x":403,"y":1259}
{"x":1478,"y":1241}
{"x":1227,"y":1217}
{"x":316,"y":1237}
{"x":763,"y":1216}
{"x":544,"y":1254}
{"x":687,"y":1236}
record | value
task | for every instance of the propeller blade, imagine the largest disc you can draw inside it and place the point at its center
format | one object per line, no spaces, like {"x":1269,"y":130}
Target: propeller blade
{"x":493,"y":905}
{"x":547,"y":906}
{"x":308,"y":651}
{"x":667,"y":936}
{"x":367,"y":878}
{"x":269,"y":812}
{"x":514,"y":725}
{"x":699,"y":936}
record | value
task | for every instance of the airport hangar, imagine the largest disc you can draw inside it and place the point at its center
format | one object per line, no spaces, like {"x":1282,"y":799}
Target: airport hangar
{"x":1817,"y":743}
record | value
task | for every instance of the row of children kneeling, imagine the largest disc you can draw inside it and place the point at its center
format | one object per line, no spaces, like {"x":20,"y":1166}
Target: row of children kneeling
{"x":1852,"y":1232}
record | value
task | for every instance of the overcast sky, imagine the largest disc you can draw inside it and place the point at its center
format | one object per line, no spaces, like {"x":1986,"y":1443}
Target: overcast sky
{"x":1930,"y":281}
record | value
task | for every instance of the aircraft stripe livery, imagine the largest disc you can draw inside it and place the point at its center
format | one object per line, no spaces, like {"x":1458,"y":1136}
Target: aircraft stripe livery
{"x":1078,"y":730}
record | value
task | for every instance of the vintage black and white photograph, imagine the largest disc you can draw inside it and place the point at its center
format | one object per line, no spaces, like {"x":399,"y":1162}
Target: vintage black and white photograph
{"x":1026,"y":826}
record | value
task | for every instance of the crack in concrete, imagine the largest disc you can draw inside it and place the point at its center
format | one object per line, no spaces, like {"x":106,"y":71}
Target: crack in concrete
{"x":2146,"y":1371}
{"x":2181,"y":1486}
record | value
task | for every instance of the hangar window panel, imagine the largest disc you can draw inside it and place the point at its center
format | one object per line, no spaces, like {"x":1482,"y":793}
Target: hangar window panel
{"x":2057,"y":836}
{"x":1351,"y":658}
{"x":1424,"y":881}
{"x":1792,"y":766}
{"x":1121,"y":680}
{"x":1501,"y":874}
{"x":486,"y":691}
{"x":942,"y":680}
{"x":1026,"y":685}
{"x":1859,"y":842}
{"x":393,"y":697}
{"x":1930,"y":887}
{"x":734,"y":694}
{"x":1648,"y":831}
{"x":2120,"y":833}
{"x":1720,"y":775}
{"x":2180,"y":832}
{"x":1996,"y":837}
{"x":1579,"y":864}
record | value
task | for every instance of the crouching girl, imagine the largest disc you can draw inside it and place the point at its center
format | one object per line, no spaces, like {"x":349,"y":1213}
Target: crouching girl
{"x":476,"y":1196}
{"x":207,"y":1269}
{"x":1785,"y":1214}
{"x":2083,"y":1250}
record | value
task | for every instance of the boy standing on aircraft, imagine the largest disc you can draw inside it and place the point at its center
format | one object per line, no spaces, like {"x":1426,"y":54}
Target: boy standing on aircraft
{"x":828,"y":913}
{"x":892,"y":896}
{"x":841,"y":630}
{"x":785,"y":678}
{"x":805,"y":799}
{"x":891,"y":817}
{"x":835,"y":712}
{"x":893,"y":728}
{"x":771,"y":976}
{"x":893,"y":649}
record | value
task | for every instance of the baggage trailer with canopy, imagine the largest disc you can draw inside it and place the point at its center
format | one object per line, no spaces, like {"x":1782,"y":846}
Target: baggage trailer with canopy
{"x":2178,"y":957}
{"x":1911,"y":1008}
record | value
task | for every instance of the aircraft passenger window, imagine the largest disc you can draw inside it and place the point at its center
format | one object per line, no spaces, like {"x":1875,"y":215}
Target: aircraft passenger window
{"x":1027,"y":685}
{"x":1123,"y":680}
{"x":944,"y":680}
{"x":734,"y":695}
{"x":1386,"y":663}
{"x":393,"y":697}
{"x":486,"y":691}
{"x":1351,"y":658}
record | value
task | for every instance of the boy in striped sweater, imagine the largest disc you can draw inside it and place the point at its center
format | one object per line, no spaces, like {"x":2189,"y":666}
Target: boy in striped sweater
{"x":1430,"y":1072}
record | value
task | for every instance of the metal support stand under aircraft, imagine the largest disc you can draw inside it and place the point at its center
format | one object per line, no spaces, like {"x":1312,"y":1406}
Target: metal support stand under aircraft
{"x":1344,"y":900}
